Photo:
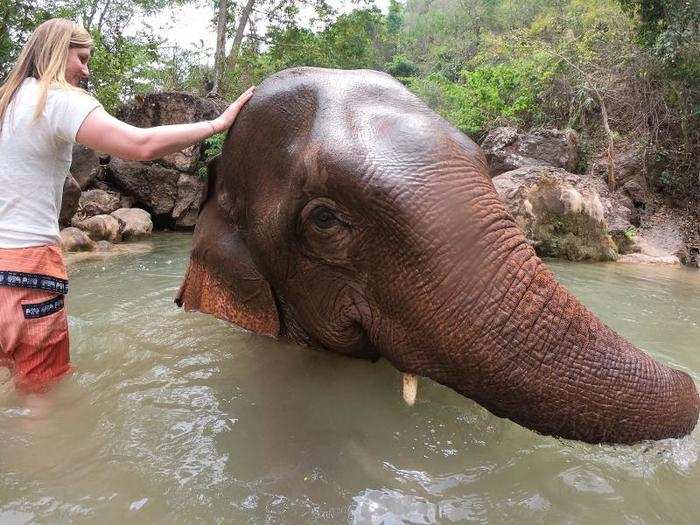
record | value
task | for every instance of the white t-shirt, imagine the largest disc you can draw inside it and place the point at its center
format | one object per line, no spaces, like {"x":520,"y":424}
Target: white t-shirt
{"x":35,"y":156}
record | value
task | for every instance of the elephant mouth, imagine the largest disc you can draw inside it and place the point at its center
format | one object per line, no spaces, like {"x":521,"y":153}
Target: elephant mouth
{"x":246,"y":303}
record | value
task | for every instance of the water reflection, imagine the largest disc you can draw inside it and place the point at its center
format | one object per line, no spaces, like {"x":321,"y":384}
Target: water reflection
{"x":174,"y":417}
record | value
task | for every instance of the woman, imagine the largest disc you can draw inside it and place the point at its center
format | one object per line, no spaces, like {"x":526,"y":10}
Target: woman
{"x":43,"y":113}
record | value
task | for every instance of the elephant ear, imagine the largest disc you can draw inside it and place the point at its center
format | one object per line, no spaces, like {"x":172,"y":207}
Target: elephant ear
{"x":222,"y":279}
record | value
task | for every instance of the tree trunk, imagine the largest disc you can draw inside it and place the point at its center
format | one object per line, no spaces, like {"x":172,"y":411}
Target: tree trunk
{"x":238,"y":37}
{"x":220,"y":56}
{"x":610,"y":152}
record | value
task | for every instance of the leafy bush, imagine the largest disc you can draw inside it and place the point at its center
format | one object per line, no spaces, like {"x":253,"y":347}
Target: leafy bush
{"x":211,"y":147}
{"x":401,"y":67}
{"x":486,"y":96}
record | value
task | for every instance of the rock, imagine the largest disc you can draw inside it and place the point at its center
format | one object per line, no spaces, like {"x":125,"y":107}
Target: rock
{"x":126,"y":202}
{"x":166,"y":193}
{"x":166,"y":187}
{"x":507,"y":150}
{"x":87,"y":166}
{"x":190,"y":190}
{"x":103,"y":246}
{"x":69,"y":201}
{"x":99,"y":202}
{"x":157,"y":109}
{"x":626,"y":241}
{"x":621,"y":215}
{"x":185,"y":160}
{"x":629,"y":171}
{"x":75,"y":240}
{"x":101,"y":227}
{"x":151,"y":185}
{"x":669,"y":231}
{"x":137,"y":223}
{"x":636,"y":192}
{"x":560,"y":215}
{"x":84,"y":166}
{"x":102,"y":185}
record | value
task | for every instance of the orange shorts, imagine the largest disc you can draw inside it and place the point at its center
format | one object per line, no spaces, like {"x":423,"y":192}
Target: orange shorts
{"x":33,"y":321}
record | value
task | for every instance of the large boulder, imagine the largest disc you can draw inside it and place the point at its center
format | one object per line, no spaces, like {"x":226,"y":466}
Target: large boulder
{"x":166,"y":193}
{"x":628,"y":163}
{"x":560,"y":214}
{"x":69,"y":201}
{"x":85,"y":165}
{"x":137,"y":223}
{"x":152,"y":185}
{"x":101,"y":227}
{"x":99,"y":202}
{"x":167,"y":187}
{"x":185,"y":160}
{"x":157,"y":109}
{"x":629,"y":172}
{"x":190,"y":190}
{"x":506,"y":149}
{"x":76,"y":240}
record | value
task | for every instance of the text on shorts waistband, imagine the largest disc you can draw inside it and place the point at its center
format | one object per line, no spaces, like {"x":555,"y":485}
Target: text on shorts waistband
{"x":33,"y":280}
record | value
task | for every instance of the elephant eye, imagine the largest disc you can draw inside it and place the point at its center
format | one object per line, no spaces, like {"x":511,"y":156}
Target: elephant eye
{"x":323,"y":218}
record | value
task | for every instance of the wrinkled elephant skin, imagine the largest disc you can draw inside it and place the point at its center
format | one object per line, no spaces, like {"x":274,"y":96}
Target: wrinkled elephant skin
{"x":345,"y":214}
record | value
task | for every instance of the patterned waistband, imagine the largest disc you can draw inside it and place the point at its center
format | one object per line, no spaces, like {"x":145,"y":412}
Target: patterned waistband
{"x":33,"y":280}
{"x":34,"y":311}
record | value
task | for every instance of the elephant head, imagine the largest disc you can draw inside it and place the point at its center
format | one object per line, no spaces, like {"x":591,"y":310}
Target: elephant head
{"x":345,"y":214}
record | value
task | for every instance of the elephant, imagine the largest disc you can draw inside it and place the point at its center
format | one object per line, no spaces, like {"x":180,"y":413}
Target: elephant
{"x":346,"y":215}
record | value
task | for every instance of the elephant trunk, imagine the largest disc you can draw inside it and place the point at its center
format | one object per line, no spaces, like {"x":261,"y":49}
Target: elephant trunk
{"x":528,"y":350}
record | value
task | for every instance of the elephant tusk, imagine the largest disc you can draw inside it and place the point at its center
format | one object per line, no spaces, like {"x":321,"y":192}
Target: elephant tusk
{"x":410,"y":388}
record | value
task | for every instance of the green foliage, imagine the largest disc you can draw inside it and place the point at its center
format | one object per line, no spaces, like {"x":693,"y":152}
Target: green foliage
{"x":355,"y":40}
{"x":18,"y":18}
{"x":486,"y":96}
{"x":395,"y":16}
{"x":211,"y":147}
{"x":121,"y":70}
{"x":401,"y":66}
{"x":671,"y":21}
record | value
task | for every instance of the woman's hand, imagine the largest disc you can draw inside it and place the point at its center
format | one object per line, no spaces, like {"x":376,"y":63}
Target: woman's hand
{"x":226,"y":119}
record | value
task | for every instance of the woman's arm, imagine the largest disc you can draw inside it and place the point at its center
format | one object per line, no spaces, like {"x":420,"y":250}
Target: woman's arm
{"x":102,"y":132}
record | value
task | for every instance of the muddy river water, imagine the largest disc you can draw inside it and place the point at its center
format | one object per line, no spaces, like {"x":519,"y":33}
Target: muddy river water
{"x":172,"y":417}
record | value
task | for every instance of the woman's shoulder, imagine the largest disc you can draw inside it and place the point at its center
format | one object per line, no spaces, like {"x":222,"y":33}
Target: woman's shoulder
{"x":68,"y":92}
{"x":28,"y":85}
{"x":70,"y":100}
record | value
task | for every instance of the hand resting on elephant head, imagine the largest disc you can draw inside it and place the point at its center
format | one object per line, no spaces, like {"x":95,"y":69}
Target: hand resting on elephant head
{"x":345,"y":214}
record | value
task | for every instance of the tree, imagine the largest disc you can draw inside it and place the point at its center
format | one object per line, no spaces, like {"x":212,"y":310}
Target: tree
{"x":18,"y":18}
{"x":394,"y":18}
{"x":662,"y":17}
{"x":220,"y":53}
{"x":121,"y":65}
{"x":238,"y":36}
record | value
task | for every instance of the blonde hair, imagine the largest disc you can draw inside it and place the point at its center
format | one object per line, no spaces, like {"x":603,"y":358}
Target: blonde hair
{"x":44,"y":57}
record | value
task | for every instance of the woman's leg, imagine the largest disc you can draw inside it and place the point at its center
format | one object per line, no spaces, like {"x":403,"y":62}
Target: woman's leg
{"x":34,"y":335}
